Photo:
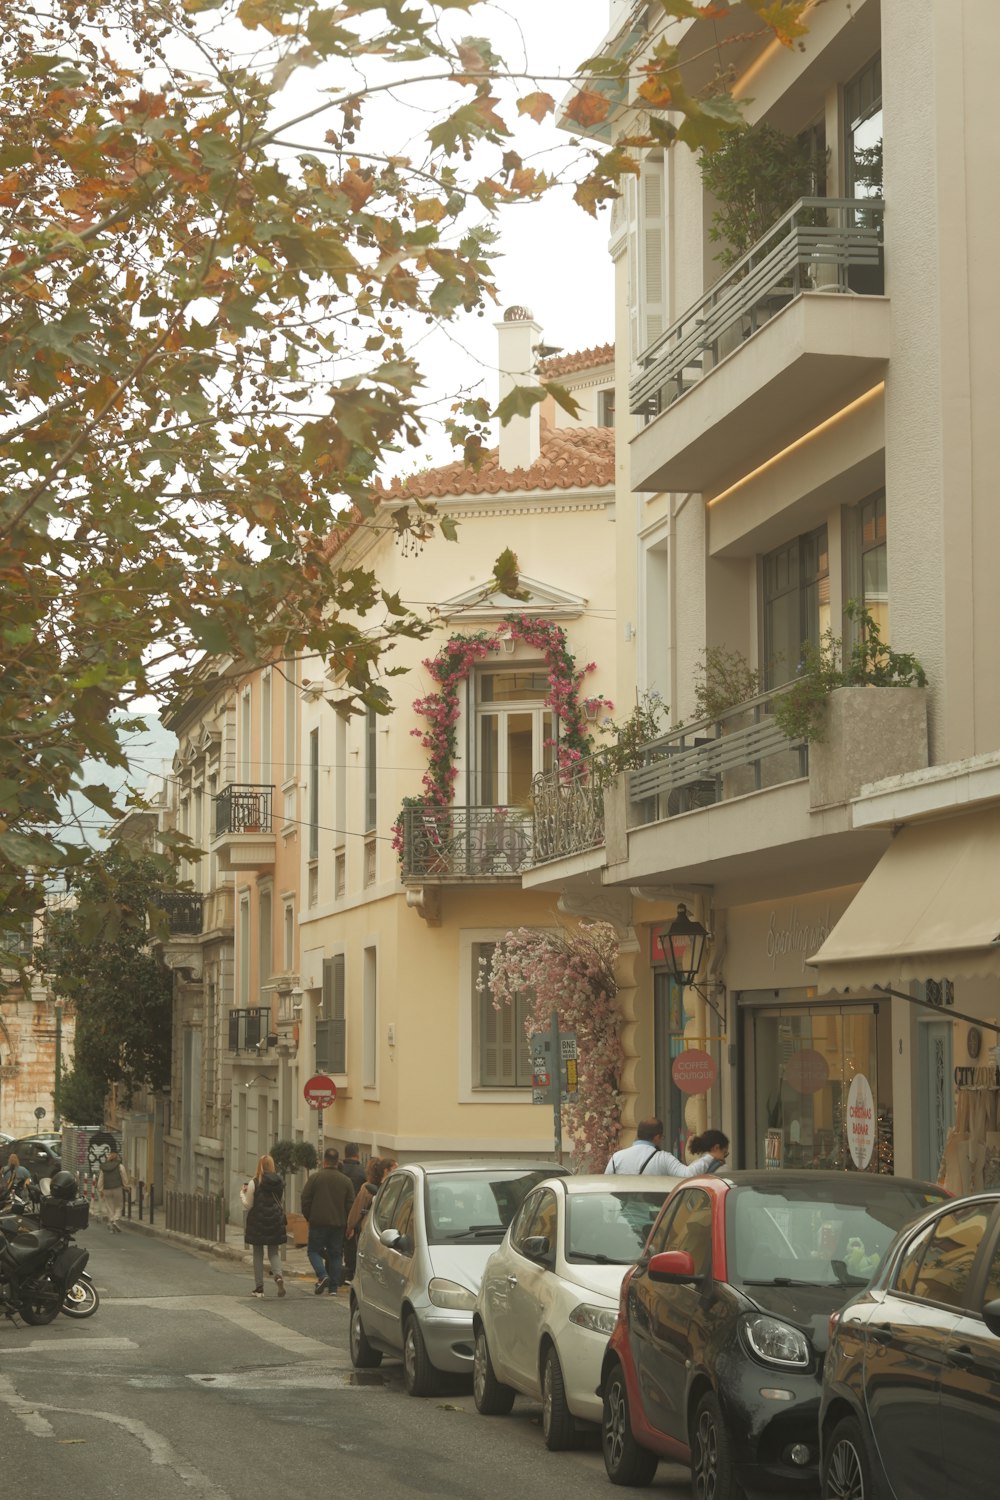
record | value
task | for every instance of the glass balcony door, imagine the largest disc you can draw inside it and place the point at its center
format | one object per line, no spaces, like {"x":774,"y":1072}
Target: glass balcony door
{"x":512,"y":731}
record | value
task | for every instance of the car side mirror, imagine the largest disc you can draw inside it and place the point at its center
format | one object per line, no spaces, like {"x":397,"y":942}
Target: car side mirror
{"x":535,"y":1247}
{"x":390,"y":1238}
{"x":672,"y":1266}
{"x":991,"y":1316}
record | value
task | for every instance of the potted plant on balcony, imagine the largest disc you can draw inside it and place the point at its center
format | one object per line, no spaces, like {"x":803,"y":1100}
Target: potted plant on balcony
{"x":755,"y":176}
{"x":856,"y":737}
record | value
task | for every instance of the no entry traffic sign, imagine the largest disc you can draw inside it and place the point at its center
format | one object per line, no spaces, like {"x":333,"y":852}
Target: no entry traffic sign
{"x":320,"y":1091}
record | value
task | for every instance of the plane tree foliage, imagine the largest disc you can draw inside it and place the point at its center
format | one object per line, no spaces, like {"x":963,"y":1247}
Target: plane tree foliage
{"x":211,"y":267}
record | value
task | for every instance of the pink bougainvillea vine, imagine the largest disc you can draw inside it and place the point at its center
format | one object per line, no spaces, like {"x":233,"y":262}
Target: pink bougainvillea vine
{"x":572,"y":973}
{"x":441,"y":709}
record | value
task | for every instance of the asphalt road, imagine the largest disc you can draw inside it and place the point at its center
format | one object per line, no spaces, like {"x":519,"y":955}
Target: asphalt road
{"x":183,"y":1385}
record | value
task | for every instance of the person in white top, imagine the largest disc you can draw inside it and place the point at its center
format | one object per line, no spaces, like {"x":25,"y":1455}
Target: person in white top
{"x":647,"y":1156}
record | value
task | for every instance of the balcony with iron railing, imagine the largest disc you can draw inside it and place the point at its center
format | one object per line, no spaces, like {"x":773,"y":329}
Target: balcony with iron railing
{"x":460,"y":844}
{"x":183,"y":910}
{"x":250,"y":1030}
{"x":243,"y":834}
{"x":807,"y":300}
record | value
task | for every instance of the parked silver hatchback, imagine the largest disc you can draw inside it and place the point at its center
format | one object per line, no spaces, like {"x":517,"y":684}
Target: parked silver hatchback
{"x":421,"y":1256}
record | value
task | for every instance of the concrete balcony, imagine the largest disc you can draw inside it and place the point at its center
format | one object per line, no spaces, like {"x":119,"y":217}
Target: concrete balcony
{"x":243,"y":837}
{"x":793,"y":333}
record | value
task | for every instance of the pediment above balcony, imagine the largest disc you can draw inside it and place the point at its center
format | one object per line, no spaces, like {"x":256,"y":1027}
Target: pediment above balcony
{"x":483,"y":605}
{"x":800,"y":369}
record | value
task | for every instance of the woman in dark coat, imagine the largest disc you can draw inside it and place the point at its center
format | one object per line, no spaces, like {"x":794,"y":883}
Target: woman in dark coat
{"x":265,"y":1223}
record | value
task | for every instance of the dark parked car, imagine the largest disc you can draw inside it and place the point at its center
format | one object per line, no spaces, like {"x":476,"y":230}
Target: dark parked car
{"x":716,"y":1355}
{"x":36,"y":1154}
{"x":911,"y":1388}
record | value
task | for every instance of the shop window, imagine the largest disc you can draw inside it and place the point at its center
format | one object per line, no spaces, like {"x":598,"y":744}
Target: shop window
{"x":805,"y":1058}
{"x":796,"y":583}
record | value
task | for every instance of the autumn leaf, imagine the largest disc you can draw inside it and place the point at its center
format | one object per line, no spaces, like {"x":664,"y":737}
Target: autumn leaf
{"x":537,"y":105}
{"x":587,"y":108}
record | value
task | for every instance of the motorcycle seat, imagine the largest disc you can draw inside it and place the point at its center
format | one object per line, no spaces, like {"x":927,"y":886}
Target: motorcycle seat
{"x":24,"y":1250}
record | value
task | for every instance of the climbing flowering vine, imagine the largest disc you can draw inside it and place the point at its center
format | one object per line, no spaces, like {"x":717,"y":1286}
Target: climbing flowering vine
{"x":572,"y":973}
{"x":441,"y":709}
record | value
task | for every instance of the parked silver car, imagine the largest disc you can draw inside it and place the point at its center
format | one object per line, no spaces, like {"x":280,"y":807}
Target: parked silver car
{"x":421,"y":1256}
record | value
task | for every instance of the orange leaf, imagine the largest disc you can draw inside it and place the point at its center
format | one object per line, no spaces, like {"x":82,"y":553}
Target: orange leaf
{"x":428,"y":211}
{"x":588,"y":107}
{"x":356,"y":189}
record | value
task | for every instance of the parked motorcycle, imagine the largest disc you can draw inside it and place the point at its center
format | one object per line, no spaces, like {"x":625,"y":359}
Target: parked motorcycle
{"x":39,"y":1269}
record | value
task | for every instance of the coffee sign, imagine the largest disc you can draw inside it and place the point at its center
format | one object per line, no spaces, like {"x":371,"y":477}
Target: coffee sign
{"x":693,"y":1071}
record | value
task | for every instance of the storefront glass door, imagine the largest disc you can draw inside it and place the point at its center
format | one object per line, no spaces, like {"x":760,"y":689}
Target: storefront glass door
{"x":803,"y":1060}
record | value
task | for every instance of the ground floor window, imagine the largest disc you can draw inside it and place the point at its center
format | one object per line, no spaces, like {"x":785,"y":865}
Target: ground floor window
{"x":501,"y":1058}
{"x":804,"y":1107}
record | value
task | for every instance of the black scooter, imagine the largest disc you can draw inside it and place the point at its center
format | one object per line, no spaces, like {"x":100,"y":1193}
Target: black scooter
{"x":39,"y":1269}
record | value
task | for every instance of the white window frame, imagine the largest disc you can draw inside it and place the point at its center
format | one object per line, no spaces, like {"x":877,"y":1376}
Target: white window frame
{"x":501,"y":711}
{"x":468,"y":1001}
{"x":246,"y":737}
{"x":266,"y":766}
{"x":369,"y":1021}
{"x":243,"y":955}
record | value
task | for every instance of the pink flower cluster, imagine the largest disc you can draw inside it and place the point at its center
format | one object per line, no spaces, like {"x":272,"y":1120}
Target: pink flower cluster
{"x":572,"y":973}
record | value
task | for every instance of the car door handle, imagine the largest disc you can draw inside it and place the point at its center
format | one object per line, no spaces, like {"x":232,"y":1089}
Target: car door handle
{"x":963,"y":1357}
{"x":880,"y":1335}
{"x":512,"y":1281}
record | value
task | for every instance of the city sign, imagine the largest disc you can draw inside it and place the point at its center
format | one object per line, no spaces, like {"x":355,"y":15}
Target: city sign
{"x":320,"y":1091}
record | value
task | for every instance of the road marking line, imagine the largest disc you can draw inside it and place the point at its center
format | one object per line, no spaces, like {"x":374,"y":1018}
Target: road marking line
{"x":250,"y":1321}
{"x":36,"y":1424}
{"x":84,"y":1343}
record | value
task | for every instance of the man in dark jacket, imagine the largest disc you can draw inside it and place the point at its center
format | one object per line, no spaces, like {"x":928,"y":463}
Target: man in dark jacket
{"x":326,"y":1199}
{"x":352,"y":1168}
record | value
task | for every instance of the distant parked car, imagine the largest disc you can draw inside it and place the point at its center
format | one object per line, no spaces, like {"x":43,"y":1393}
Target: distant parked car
{"x":549,"y":1297}
{"x":716,"y":1355}
{"x":911,"y":1384}
{"x":421,"y":1255}
{"x":33,"y":1152}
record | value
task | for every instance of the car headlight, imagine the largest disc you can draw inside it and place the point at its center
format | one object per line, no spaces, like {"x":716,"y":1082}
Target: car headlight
{"x":449,"y":1294}
{"x":774,"y":1342}
{"x":598,"y":1319}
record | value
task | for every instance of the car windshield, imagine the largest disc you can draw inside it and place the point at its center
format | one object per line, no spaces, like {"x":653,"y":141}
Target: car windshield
{"x":476,"y":1206}
{"x":610,"y":1228}
{"x":795,"y":1235}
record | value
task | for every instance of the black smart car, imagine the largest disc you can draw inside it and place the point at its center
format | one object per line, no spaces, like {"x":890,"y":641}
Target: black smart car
{"x":36,"y":1154}
{"x":911,"y":1388}
{"x":716,"y":1356}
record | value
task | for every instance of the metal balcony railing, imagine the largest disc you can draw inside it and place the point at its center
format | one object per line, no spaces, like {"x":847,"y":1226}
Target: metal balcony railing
{"x":714,"y":760}
{"x":250,"y":1030}
{"x":243,"y":809}
{"x":183,"y":909}
{"x":820,"y":244}
{"x":568,"y":815}
{"x":470,"y":843}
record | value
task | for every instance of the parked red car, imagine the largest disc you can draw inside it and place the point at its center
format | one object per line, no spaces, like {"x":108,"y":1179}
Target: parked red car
{"x":716,"y":1355}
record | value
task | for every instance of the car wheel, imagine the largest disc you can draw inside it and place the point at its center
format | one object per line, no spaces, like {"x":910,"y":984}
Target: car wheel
{"x":712,"y":1476}
{"x":847,"y":1469}
{"x":492,"y":1397}
{"x":363,"y":1356}
{"x":624,"y":1460}
{"x":419,"y":1376}
{"x":558,"y":1426}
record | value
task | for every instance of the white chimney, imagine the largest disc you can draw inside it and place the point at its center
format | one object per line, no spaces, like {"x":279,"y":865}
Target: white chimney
{"x":520,"y":440}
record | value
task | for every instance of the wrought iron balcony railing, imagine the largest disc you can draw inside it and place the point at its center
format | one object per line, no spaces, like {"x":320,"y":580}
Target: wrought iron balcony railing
{"x":465,"y":843}
{"x":568,"y":815}
{"x":183,"y":909}
{"x":820,"y":244}
{"x":743,"y":750}
{"x":250,"y":1030}
{"x":243,"y":809}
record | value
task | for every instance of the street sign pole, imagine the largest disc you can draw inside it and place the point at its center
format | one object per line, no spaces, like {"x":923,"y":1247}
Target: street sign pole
{"x":557,"y":1081}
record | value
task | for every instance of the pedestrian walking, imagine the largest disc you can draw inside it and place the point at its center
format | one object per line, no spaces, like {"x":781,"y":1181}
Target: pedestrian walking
{"x":352,"y":1168}
{"x":266,"y":1224}
{"x":374,"y":1177}
{"x":647,"y":1156}
{"x":114,"y":1181}
{"x":326,"y":1201}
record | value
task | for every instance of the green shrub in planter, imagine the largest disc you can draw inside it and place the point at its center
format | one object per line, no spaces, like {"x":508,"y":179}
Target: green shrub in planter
{"x":294,"y":1156}
{"x":755,"y":176}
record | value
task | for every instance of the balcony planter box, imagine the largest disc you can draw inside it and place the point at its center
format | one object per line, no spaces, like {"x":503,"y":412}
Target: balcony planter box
{"x":870,"y":733}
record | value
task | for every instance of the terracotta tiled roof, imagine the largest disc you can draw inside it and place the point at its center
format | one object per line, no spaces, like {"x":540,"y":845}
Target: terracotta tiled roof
{"x":571,"y":458}
{"x":584,"y":359}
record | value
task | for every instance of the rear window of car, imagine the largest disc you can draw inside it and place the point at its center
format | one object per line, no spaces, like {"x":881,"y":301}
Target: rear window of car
{"x":476,"y":1207}
{"x":793,"y":1235}
{"x":610,"y":1227}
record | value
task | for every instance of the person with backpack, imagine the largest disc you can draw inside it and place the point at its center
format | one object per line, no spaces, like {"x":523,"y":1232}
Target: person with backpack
{"x":266,"y":1224}
{"x":647,"y":1156}
{"x":114,"y":1181}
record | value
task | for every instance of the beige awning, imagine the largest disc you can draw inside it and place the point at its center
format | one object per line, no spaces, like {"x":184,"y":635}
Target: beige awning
{"x":930,"y":909}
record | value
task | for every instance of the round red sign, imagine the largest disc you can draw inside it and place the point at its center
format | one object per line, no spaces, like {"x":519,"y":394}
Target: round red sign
{"x":694,"y":1072}
{"x":320,"y":1092}
{"x":806,"y":1071}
